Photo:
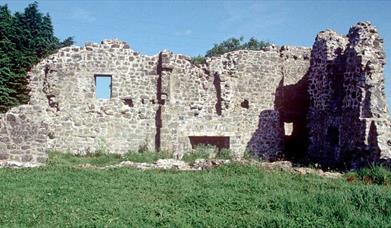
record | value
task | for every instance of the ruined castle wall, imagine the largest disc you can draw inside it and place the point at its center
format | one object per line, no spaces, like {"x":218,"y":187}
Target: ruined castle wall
{"x":348,"y":118}
{"x":275,"y":102}
{"x":157,"y":101}
{"x":223,"y":98}
{"x":364,"y":86}
{"x":325,"y":117}
{"x":23,"y":136}
{"x":80,"y":123}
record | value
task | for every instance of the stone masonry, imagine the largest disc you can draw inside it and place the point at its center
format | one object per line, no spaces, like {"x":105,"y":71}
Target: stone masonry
{"x":348,"y":117}
{"x":325,"y":104}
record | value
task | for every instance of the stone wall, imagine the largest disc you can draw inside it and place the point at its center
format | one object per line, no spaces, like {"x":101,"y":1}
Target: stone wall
{"x":348,"y":119}
{"x":65,"y":86}
{"x":23,"y":136}
{"x":233,"y":95}
{"x":171,"y":100}
{"x":276,"y":102}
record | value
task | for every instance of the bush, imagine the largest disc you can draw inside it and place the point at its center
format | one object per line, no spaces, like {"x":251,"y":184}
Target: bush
{"x":200,"y":152}
{"x":375,"y":174}
{"x":224,"y":154}
{"x":101,"y":149}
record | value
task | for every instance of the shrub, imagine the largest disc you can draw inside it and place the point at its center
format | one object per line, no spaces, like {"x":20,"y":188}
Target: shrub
{"x":201,"y":151}
{"x":101,"y":149}
{"x":224,"y":154}
{"x":375,"y":174}
{"x":144,"y":147}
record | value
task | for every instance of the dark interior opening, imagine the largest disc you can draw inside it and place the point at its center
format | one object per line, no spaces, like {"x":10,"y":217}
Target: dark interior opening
{"x":332,"y":136}
{"x":245,"y":104}
{"x":292,"y":102}
{"x":220,"y":142}
{"x":217,"y":85}
{"x":52,"y":102}
{"x":128,"y":102}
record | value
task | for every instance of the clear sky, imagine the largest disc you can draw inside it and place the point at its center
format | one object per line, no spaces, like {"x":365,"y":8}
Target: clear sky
{"x":192,"y":27}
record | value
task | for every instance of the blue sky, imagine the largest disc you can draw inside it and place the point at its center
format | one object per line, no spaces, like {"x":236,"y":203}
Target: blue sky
{"x":192,"y":27}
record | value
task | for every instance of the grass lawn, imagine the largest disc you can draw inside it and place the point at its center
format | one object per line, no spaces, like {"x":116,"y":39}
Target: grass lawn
{"x":229,"y":196}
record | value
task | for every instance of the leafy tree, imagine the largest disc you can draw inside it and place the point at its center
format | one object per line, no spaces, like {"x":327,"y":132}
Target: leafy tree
{"x":231,"y":44}
{"x":25,"y":38}
{"x":199,"y":59}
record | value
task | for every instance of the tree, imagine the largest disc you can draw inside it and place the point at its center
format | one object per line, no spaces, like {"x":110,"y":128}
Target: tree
{"x":25,"y":38}
{"x":7,"y":54}
{"x":231,"y":44}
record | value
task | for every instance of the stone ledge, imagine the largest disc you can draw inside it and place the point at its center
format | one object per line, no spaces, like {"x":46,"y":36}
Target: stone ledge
{"x":15,"y":164}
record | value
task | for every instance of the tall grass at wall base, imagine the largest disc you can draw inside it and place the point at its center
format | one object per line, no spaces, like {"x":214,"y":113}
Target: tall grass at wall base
{"x":147,"y":156}
{"x":374,"y":174}
{"x":59,"y":159}
{"x":103,"y":159}
{"x":207,"y":152}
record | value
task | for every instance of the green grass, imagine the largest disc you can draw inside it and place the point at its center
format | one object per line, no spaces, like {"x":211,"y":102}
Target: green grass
{"x":58,"y":159}
{"x":229,"y":196}
{"x":103,"y":159}
{"x":146,"y":156}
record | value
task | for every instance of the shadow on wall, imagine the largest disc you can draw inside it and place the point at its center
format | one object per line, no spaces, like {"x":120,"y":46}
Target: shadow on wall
{"x":339,"y":134}
{"x":271,"y":141}
{"x":361,"y":157}
{"x":266,"y":141}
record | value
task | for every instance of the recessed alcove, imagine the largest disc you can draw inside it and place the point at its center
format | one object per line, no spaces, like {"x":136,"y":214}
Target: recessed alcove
{"x":220,"y":142}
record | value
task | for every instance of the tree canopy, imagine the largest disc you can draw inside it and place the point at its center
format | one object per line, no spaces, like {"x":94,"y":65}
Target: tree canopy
{"x":231,"y":44}
{"x":25,"y":38}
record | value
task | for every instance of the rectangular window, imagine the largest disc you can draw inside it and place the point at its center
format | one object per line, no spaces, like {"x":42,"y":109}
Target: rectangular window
{"x":103,"y":86}
{"x":288,"y":128}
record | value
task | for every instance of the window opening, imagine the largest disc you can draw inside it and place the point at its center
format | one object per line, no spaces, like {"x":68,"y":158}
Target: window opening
{"x":103,"y":86}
